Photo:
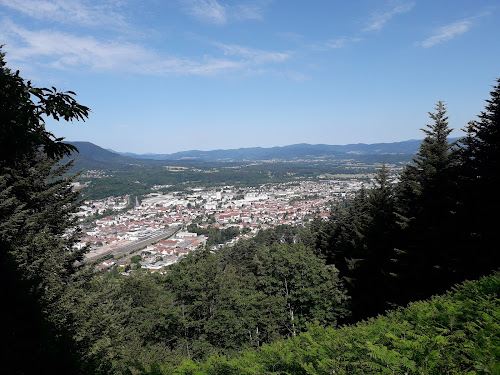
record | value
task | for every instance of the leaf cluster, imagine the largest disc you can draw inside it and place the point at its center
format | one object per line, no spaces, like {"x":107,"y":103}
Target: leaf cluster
{"x":23,"y":109}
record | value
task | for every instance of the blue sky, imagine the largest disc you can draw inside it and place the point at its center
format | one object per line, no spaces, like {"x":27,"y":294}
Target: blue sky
{"x":170,"y":75}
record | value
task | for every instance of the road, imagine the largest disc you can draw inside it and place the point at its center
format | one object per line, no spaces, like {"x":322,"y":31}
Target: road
{"x":133,"y":246}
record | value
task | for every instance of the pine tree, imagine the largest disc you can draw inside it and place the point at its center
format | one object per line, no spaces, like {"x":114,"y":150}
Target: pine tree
{"x":426,"y":205}
{"x":380,"y":238}
{"x":359,"y":240}
{"x":480,"y":203}
{"x":371,"y":261}
{"x":346,"y":235}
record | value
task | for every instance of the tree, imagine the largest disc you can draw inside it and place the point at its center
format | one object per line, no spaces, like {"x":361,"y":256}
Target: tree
{"x":426,"y":201}
{"x":359,"y":240}
{"x":136,"y":259}
{"x":304,"y":287}
{"x":372,"y":281}
{"x":479,"y":178}
{"x":23,"y":124}
{"x":37,"y":229}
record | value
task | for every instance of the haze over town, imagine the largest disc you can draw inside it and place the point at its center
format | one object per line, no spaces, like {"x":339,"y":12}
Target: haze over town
{"x":207,"y":74}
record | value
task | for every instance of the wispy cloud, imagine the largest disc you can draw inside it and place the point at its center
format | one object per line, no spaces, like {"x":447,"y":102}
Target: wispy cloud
{"x":250,"y":54}
{"x":207,"y":10}
{"x":445,"y":33}
{"x":379,"y":20}
{"x":452,"y":30}
{"x":247,"y":12}
{"x":335,"y":43}
{"x":214,"y":12}
{"x":69,"y":11}
{"x":64,"y":51}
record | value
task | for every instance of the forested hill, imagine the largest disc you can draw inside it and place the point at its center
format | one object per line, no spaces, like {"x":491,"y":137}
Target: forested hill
{"x":291,"y":152}
{"x":91,"y":156}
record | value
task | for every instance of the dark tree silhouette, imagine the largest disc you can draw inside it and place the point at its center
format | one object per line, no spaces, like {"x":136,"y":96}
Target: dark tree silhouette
{"x":480,"y":202}
{"x":37,"y":231}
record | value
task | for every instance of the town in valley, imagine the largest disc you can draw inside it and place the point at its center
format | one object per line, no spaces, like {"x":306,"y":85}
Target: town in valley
{"x":154,"y":232}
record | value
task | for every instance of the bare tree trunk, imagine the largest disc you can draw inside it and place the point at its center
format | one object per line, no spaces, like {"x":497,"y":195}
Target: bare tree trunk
{"x":292,"y":318}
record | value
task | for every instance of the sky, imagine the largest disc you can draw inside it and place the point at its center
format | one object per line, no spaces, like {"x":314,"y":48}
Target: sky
{"x":162,"y":76}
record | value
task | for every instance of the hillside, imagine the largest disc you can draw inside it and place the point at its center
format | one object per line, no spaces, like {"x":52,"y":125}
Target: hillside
{"x":91,"y":156}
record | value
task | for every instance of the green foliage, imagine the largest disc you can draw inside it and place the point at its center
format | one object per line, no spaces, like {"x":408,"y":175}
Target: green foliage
{"x":479,"y":181}
{"x":388,"y":237}
{"x":215,"y":235}
{"x":137,"y":178}
{"x":359,"y":239}
{"x":306,"y":288}
{"x":282,"y":234}
{"x":23,"y":123}
{"x":37,"y":230}
{"x":122,"y":321}
{"x":386,"y":245}
{"x":136,"y":259}
{"x":240,"y":297}
{"x":427,"y":202}
{"x":452,"y":334}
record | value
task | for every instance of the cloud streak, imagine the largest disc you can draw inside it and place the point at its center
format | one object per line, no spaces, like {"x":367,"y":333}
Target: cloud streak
{"x":213,"y":12}
{"x":446,"y":33}
{"x":379,"y":20}
{"x":207,"y":10}
{"x":335,"y":43}
{"x":68,"y":11}
{"x":64,"y":51}
{"x":255,"y":55}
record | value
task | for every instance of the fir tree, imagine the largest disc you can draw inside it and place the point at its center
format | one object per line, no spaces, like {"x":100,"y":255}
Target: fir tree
{"x":375,"y":282}
{"x":426,"y":205}
{"x":370,"y":259}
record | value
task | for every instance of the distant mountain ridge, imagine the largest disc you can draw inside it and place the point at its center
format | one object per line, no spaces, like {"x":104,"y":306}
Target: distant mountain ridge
{"x":291,"y":152}
{"x":91,"y":156}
